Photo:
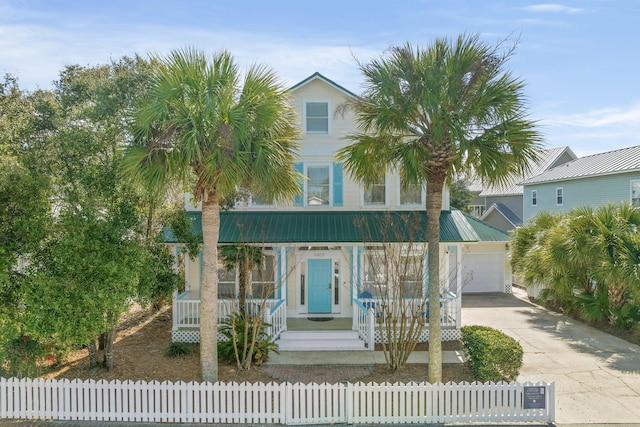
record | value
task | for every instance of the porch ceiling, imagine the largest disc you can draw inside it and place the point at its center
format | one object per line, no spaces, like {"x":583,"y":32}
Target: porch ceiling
{"x":343,"y":227}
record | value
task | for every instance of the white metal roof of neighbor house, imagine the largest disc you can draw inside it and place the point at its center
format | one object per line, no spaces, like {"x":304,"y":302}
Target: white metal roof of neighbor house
{"x":513,"y":184}
{"x":609,"y":163}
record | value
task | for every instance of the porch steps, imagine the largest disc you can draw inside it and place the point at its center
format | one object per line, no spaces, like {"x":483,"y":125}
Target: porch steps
{"x":320,"y":341}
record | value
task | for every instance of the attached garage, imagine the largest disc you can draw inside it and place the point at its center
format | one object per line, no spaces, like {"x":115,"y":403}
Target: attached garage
{"x":483,"y":272}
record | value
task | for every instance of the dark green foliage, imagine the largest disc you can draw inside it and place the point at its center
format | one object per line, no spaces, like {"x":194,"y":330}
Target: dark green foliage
{"x":459,"y":195}
{"x":158,"y":279}
{"x":177,"y":349}
{"x":586,"y":259}
{"x":182,"y":229}
{"x":491,"y":354}
{"x":22,"y":357}
{"x":246,"y":342}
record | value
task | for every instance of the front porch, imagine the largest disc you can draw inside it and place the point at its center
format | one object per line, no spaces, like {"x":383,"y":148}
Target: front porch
{"x":359,"y":331}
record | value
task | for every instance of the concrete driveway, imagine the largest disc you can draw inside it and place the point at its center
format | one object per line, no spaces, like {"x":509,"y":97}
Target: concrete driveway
{"x":597,"y":375}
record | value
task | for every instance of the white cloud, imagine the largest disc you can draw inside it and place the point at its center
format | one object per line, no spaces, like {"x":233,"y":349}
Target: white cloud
{"x":629,"y":117}
{"x":553,"y":8}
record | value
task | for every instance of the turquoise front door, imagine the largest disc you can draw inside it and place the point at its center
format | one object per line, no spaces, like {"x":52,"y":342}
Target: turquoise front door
{"x":319,"y":285}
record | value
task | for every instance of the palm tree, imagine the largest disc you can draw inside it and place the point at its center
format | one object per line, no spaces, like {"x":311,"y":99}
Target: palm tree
{"x":432,"y":114}
{"x":206,"y":126}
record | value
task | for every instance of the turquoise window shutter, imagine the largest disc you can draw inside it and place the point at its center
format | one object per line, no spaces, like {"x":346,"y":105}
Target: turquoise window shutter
{"x":299,"y":198}
{"x":337,"y":184}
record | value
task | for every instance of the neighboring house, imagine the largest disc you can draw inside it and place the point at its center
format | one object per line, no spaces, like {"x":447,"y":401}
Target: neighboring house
{"x":593,"y":180}
{"x":502,"y":205}
{"x":316,"y":264}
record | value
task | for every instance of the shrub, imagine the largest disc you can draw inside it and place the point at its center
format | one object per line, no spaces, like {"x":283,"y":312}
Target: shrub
{"x":176,"y":349}
{"x":241,"y":330}
{"x":24,"y":357}
{"x":491,"y":354}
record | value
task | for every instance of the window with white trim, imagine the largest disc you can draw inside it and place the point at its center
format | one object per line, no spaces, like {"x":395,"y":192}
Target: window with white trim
{"x":393,"y":272}
{"x":318,"y":185}
{"x":411,"y":194}
{"x":376,"y":193}
{"x":263,"y":278}
{"x":476,"y":210}
{"x":635,"y":193}
{"x":559,"y":196}
{"x":256,"y":200}
{"x":534,"y":197}
{"x":317,"y":117}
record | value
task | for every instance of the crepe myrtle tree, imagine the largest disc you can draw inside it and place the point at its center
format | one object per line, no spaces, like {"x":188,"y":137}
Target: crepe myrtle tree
{"x":435,"y":113}
{"x":394,"y":278}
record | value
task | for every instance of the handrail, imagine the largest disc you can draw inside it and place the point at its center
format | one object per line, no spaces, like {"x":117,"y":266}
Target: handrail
{"x":364,"y":323}
{"x":277,"y":318}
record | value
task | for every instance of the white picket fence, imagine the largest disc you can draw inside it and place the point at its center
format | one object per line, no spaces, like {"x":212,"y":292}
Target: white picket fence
{"x":273,"y":403}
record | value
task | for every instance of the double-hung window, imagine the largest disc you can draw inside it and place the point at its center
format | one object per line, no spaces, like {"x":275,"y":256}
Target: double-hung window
{"x":318,"y":185}
{"x":635,"y":193}
{"x":376,"y":193}
{"x":317,"y":117}
{"x":534,"y":197}
{"x":559,"y":196}
{"x":411,"y":194}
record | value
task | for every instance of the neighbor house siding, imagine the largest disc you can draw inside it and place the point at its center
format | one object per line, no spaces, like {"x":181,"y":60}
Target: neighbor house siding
{"x":496,"y":219}
{"x":590,"y":191}
{"x":514,"y":202}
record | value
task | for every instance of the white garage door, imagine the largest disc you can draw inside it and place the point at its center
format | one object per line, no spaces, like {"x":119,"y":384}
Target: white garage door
{"x":482,"y":272}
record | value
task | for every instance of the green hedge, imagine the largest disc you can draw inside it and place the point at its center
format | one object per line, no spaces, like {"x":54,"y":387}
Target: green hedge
{"x":491,"y":354}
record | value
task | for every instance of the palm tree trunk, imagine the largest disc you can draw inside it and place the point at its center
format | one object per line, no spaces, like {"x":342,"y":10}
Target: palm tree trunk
{"x":435,"y":185}
{"x":209,"y":289}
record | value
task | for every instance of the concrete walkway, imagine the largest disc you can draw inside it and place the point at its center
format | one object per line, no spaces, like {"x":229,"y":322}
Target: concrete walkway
{"x":352,"y":357}
{"x":597,"y":375}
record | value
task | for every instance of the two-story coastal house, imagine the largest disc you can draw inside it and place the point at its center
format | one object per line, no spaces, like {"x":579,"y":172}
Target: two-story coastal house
{"x":315,"y":263}
{"x":610,"y":177}
{"x":503,"y":205}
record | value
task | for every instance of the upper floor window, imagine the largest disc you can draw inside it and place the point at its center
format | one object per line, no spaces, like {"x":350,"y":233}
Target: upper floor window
{"x":534,"y":197}
{"x":317,"y":117}
{"x":257,"y":200}
{"x":635,"y":193}
{"x":318,"y":185}
{"x":411,"y":194}
{"x":476,"y":210}
{"x":559,"y":196}
{"x":376,"y":193}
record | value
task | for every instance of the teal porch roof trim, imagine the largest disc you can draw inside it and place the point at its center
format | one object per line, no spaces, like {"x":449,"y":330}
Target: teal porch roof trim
{"x":343,"y":227}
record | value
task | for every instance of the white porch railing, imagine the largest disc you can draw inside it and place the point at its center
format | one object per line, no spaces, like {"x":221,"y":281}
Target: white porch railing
{"x":364,"y":323}
{"x":186,"y":311}
{"x":277,"y":318}
{"x":285,"y":403}
{"x":449,"y":308}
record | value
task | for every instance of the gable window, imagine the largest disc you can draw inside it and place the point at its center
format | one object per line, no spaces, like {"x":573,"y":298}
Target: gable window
{"x":375,"y":194}
{"x":318,"y":185}
{"x":317,"y":117}
{"x":534,"y":197}
{"x":559,"y":196}
{"x":411,"y":194}
{"x":635,"y":193}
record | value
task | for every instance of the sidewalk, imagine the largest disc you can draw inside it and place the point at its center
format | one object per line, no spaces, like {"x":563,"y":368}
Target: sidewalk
{"x":352,"y":358}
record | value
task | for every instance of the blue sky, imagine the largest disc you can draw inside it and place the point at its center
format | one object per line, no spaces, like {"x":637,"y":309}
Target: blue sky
{"x":579,"y":58}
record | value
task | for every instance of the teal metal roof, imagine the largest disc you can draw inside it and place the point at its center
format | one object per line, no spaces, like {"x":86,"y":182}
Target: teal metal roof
{"x":343,"y":227}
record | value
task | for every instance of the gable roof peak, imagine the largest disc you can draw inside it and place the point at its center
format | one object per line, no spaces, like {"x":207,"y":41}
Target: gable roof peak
{"x":318,"y":76}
